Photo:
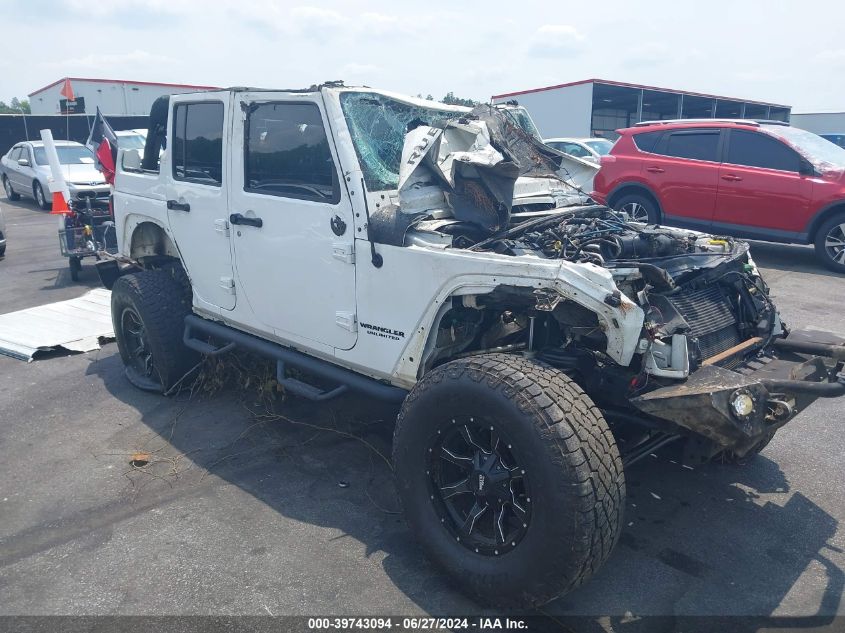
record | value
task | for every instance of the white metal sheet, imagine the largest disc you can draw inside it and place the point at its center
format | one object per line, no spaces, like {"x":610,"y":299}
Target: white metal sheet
{"x":78,"y":325}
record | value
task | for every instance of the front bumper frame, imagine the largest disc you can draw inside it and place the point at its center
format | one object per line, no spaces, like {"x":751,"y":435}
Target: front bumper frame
{"x":808,"y":366}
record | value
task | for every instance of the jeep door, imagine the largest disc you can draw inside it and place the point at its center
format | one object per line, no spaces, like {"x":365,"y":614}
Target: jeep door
{"x":196,"y":196}
{"x":292,"y":226}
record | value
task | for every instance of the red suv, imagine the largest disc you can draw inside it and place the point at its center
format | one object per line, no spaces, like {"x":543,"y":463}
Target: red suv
{"x":764,"y":181}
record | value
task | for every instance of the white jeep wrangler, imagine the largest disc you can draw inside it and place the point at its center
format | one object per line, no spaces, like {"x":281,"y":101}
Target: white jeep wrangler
{"x":440,"y":258}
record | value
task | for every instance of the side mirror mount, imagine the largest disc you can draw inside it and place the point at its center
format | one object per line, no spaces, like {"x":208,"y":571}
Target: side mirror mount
{"x":23,"y":162}
{"x":807,"y":169}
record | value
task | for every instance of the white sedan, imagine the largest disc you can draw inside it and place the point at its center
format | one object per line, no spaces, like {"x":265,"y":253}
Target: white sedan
{"x":591,"y":149}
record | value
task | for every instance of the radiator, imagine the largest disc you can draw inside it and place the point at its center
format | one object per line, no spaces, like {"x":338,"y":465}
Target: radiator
{"x":713,"y":326}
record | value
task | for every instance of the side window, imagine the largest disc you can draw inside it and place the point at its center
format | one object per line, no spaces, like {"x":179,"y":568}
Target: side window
{"x":15,"y":154}
{"x":696,"y":144}
{"x":755,"y":149}
{"x":286,"y":153}
{"x":646,"y":141}
{"x":198,"y":142}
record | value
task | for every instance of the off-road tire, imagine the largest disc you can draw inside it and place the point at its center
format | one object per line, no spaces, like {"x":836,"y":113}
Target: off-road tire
{"x":10,"y":192}
{"x":832,"y":224}
{"x":636,"y":204}
{"x":41,"y":200}
{"x":2,"y":251}
{"x":161,"y":302}
{"x":568,"y":451}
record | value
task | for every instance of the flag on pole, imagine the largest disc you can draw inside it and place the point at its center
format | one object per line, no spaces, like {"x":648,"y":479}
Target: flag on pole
{"x":103,"y":142}
{"x":67,"y":90}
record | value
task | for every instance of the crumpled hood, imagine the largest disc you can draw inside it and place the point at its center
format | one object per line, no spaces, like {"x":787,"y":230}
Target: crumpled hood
{"x":477,"y":160}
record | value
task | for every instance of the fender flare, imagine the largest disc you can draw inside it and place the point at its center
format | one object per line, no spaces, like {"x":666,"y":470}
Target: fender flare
{"x":146,"y":236}
{"x":622,"y":324}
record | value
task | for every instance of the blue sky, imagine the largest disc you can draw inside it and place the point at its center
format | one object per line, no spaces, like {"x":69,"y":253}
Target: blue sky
{"x":752,"y":50}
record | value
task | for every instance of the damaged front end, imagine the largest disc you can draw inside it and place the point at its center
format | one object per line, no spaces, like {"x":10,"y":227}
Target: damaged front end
{"x":707,"y":356}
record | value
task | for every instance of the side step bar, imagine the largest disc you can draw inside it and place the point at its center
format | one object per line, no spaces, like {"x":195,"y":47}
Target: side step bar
{"x":285,"y":357}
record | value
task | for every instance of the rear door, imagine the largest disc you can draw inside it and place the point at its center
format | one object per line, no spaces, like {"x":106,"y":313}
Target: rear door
{"x":683,"y":171}
{"x":760,"y":184}
{"x":196,"y":196}
{"x":26,"y":173}
{"x":13,"y":169}
{"x":292,"y":221}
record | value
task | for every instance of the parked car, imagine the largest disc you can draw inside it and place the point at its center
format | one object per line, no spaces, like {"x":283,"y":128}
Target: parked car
{"x":837,"y":139}
{"x":2,"y":235}
{"x":25,"y":171}
{"x":756,"y":180}
{"x":591,"y":149}
{"x":131,"y":139}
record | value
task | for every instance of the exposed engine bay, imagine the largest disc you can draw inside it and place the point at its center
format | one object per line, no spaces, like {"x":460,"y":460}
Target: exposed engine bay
{"x":480,"y":184}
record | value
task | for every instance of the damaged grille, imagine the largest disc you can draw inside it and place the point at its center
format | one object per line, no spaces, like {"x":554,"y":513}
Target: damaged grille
{"x":711,"y":319}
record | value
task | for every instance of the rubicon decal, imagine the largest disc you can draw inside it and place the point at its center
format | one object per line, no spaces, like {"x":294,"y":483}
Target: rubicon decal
{"x":384,"y":332}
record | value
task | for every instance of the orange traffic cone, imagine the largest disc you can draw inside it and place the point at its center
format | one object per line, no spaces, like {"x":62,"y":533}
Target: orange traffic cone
{"x":59,"y":204}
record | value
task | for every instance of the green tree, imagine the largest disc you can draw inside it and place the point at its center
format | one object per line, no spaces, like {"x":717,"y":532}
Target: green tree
{"x":451,"y":99}
{"x":16,"y":106}
{"x":21,"y":105}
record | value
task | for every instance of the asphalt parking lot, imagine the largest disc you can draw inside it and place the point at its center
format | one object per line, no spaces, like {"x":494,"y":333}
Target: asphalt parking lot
{"x":238,"y":514}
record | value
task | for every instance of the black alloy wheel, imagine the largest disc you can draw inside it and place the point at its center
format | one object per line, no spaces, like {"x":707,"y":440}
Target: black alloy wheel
{"x":137,"y":343}
{"x":480,"y":491}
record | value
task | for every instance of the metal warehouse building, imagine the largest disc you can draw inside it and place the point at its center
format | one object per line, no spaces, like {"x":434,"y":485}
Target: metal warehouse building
{"x":112,"y":96}
{"x":597,"y":107}
{"x":820,"y":122}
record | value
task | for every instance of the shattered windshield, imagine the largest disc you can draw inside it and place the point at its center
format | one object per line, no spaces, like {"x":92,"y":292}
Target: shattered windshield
{"x":378,"y":125}
{"x":520,"y":116}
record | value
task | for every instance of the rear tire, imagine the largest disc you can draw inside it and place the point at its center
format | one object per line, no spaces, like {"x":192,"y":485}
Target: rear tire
{"x":40,"y":198}
{"x":554,"y":455}
{"x":148,"y":313}
{"x":639,"y":208}
{"x":10,"y":193}
{"x":830,"y":243}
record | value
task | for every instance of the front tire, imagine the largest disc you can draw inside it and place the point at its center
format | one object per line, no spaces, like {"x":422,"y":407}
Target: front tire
{"x":148,"y":313}
{"x":830,"y":243}
{"x":639,"y":208}
{"x":509,"y":477}
{"x":10,"y":193}
{"x":40,"y":198}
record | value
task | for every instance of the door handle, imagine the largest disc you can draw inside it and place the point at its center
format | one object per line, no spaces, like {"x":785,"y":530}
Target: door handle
{"x":239,"y":218}
{"x":175,"y":205}
{"x":731,"y":177}
{"x":655,"y":170}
